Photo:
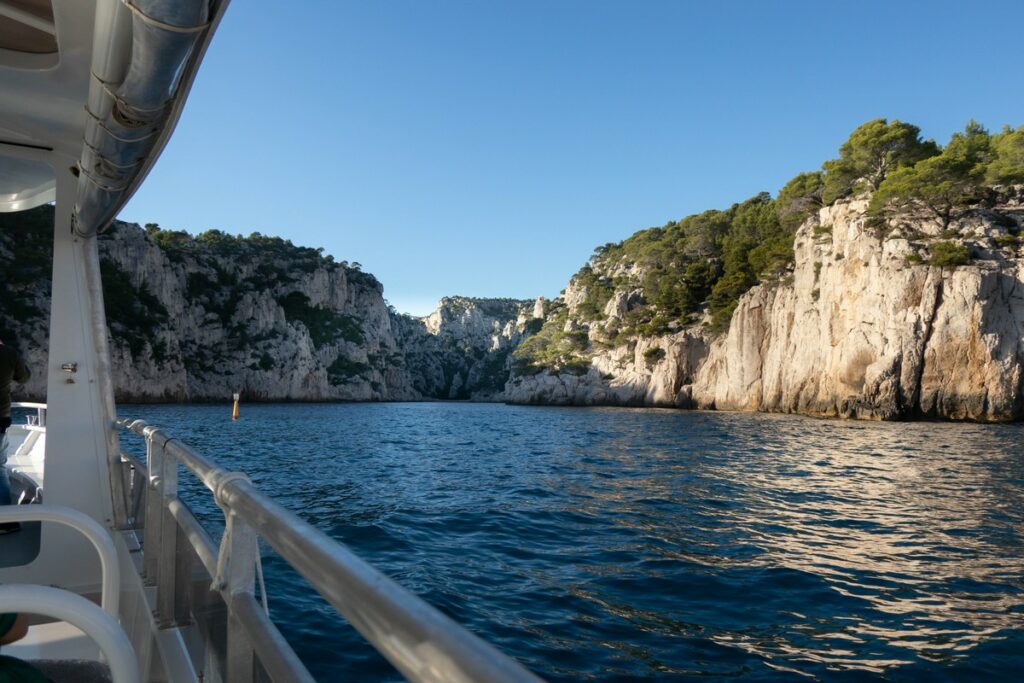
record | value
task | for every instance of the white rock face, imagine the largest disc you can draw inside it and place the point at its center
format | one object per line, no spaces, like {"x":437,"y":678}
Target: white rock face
{"x":214,"y":341}
{"x":193,"y":321}
{"x":860,"y":328}
{"x":461,"y":350}
{"x":859,"y":331}
{"x":538,"y":307}
{"x":866,"y":334}
{"x":654,"y":372}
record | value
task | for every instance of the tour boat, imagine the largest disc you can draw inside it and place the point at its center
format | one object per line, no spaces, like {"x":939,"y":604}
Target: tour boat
{"x":123,"y":582}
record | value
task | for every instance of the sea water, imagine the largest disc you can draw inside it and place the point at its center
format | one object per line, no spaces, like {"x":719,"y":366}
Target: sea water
{"x":625,"y":544}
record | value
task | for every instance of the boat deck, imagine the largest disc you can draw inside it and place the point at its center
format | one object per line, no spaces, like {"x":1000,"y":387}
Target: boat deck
{"x":55,"y":640}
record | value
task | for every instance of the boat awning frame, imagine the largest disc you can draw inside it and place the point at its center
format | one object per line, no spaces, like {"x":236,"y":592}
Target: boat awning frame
{"x":91,"y":110}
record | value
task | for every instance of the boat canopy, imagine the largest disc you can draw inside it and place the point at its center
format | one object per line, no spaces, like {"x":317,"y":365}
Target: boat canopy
{"x":94,"y":87}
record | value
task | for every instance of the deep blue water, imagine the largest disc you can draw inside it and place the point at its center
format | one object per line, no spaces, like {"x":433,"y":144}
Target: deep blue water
{"x":618,"y":544}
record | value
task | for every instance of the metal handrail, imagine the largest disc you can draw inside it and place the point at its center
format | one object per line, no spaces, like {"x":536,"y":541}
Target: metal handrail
{"x":40,"y":412}
{"x":88,"y":527}
{"x":421,"y":642}
{"x":133,"y":488}
{"x":169,"y":569}
{"x":82,"y":614}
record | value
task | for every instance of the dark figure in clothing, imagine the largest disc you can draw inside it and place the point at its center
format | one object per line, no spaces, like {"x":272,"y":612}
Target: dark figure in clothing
{"x":14,"y":627}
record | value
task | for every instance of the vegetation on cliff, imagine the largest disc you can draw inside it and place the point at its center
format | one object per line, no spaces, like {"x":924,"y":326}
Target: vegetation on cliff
{"x":553,"y":346}
{"x":221,"y":269}
{"x":194,"y":316}
{"x":961,"y":175}
{"x":694,"y":270}
{"x":26,"y":248}
{"x":685,"y":274}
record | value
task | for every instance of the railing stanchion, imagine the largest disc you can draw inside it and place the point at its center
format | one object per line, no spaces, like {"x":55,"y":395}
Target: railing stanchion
{"x":127,"y":474}
{"x":182,"y":578}
{"x":151,"y":543}
{"x":139,"y":488}
{"x":240,"y":579}
{"x":422,"y":643}
{"x":137,"y":476}
{"x":167,"y":490}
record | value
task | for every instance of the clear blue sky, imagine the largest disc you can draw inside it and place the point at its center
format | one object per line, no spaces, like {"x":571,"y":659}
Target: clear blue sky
{"x":485,"y":148}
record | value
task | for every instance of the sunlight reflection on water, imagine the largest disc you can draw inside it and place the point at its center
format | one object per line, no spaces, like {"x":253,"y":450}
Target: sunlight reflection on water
{"x":605,"y":543}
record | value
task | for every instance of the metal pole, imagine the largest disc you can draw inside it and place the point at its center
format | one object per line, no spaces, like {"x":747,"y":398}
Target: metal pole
{"x":105,"y":379}
{"x":151,"y":542}
{"x":422,"y":643}
{"x":167,"y":488}
{"x":241,"y":581}
{"x":200,"y":541}
{"x":276,"y":655}
{"x":182,"y":579}
{"x":140,"y":477}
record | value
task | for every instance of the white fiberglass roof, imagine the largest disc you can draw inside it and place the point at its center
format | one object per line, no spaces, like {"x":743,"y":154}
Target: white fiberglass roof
{"x":42,"y":94}
{"x":90,"y":90}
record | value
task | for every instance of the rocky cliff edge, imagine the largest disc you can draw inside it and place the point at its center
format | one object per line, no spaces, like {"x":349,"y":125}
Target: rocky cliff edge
{"x":863,"y":326}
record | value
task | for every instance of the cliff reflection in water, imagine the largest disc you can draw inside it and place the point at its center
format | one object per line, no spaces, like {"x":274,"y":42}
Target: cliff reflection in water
{"x":907,"y":525}
{"x":611,"y":544}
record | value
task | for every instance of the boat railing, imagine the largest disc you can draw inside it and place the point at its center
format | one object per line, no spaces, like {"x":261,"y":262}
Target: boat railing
{"x":421,"y":642}
{"x":39,"y":420}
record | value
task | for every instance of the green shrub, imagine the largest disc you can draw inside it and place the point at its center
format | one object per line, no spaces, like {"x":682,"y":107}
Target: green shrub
{"x":1007,"y":163}
{"x":873,"y":151}
{"x":822,"y":231}
{"x":942,"y":183}
{"x":949,"y":254}
{"x":133,"y":313}
{"x":198,"y":285}
{"x":703,"y":264}
{"x":533,"y":326}
{"x":344,"y":370}
{"x":172,"y":241}
{"x":492,"y":373}
{"x":1007,"y":241}
{"x":653,"y":356}
{"x":324,"y":326}
{"x":575,"y":366}
{"x":30,"y":234}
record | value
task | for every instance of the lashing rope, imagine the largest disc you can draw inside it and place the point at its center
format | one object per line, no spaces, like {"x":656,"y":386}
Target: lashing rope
{"x":218,"y":582}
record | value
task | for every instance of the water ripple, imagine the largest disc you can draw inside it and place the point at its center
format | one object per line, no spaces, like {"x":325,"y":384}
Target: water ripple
{"x":617,"y":544}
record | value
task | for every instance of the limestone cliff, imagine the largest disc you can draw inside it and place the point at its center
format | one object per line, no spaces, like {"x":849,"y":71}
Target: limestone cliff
{"x":866,"y":329}
{"x":196,"y":319}
{"x":461,"y":350}
{"x":862,"y":326}
{"x":869,"y":321}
